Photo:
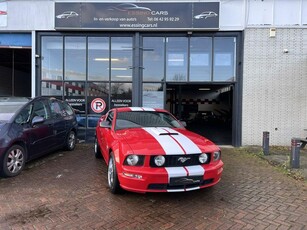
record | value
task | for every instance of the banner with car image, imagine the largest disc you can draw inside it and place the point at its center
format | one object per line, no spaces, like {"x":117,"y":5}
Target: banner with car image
{"x":137,"y":16}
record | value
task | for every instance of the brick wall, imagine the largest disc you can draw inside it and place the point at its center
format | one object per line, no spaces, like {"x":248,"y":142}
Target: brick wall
{"x":274,"y":85}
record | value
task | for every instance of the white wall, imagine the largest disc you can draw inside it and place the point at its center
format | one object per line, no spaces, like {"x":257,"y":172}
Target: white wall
{"x":28,"y":15}
{"x":25,"y":16}
{"x":274,"y":86}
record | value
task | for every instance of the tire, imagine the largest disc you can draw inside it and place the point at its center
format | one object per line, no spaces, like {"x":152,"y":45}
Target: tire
{"x":13,"y":161}
{"x":112,"y":176}
{"x":97,"y":149}
{"x":71,"y":140}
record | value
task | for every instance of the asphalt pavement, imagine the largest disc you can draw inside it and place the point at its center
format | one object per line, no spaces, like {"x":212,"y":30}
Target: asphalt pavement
{"x":68,"y":190}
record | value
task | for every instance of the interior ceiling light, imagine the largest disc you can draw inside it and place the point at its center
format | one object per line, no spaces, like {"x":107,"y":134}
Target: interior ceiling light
{"x":118,"y":68}
{"x":106,"y":59}
{"x":204,"y":89}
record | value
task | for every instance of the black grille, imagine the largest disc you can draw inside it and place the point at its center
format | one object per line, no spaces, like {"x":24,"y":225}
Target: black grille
{"x":179,"y":160}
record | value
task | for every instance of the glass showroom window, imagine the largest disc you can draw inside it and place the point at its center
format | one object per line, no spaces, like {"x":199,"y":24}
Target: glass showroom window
{"x":121,"y":94}
{"x":153,"y":95}
{"x":52,"y":58}
{"x":96,"y":90}
{"x":52,"y":88}
{"x":224,"y":59}
{"x":153,"y":59}
{"x":200,"y":58}
{"x":121,"y":59}
{"x":98,"y":58}
{"x":74,"y":94}
{"x":75,"y":58}
{"x":176,"y":58}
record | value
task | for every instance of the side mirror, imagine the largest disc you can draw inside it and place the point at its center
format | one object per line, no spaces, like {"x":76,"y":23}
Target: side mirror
{"x":183,"y":123}
{"x":105,"y":124}
{"x":37,"y":120}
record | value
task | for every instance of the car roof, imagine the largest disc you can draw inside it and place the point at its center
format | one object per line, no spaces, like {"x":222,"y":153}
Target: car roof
{"x":139,"y":109}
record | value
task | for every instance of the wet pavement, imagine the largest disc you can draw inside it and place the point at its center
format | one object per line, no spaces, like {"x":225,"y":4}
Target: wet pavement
{"x":68,"y":190}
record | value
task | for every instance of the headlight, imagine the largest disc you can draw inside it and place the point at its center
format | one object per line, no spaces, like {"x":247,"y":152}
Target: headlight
{"x":132,"y":160}
{"x":203,"y":158}
{"x":216,"y":155}
{"x":159,"y":160}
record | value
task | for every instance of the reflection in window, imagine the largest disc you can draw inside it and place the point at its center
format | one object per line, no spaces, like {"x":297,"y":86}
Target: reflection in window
{"x":153,"y":59}
{"x":52,"y":88}
{"x":74,"y":89}
{"x":98,"y":58}
{"x":177,"y":53}
{"x":75,"y":58}
{"x":224,"y":59}
{"x":121,"y":94}
{"x":98,"y":89}
{"x":92,"y":121}
{"x":153,"y":95}
{"x":121,"y":59}
{"x":52,"y":58}
{"x":200,"y":58}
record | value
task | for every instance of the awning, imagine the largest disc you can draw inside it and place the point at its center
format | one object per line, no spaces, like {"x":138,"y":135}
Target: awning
{"x":15,"y":40}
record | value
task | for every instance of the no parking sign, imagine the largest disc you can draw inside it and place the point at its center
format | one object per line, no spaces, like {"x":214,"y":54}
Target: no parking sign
{"x":98,"y":105}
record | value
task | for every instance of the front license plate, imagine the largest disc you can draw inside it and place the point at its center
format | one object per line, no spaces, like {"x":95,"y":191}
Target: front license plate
{"x":186,"y":180}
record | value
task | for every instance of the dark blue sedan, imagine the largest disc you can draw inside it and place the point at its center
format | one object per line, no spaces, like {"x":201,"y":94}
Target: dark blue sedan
{"x":30,"y":128}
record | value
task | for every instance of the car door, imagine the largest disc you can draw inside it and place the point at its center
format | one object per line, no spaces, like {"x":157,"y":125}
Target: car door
{"x":40,"y":135}
{"x":59,"y":123}
{"x":104,"y":136}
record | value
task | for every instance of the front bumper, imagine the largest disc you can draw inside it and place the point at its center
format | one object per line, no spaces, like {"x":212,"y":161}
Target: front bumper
{"x":142,"y":180}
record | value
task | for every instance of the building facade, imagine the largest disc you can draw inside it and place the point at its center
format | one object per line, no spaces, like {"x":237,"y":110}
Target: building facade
{"x":237,"y":68}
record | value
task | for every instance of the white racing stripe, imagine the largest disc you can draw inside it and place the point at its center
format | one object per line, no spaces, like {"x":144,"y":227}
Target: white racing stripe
{"x":175,"y":172}
{"x":172,"y":172}
{"x":195,"y":170}
{"x":187,"y":144}
{"x":141,"y":109}
{"x":168,"y":144}
{"x":175,"y":143}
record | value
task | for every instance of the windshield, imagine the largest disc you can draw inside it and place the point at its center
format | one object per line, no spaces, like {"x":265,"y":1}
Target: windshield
{"x":136,"y":119}
{"x":7,"y":110}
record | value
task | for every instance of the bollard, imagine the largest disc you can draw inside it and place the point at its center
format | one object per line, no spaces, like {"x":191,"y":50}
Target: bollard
{"x":265,"y":142}
{"x":295,"y":153}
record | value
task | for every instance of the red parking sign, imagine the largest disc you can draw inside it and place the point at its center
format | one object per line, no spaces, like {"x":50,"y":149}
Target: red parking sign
{"x":98,"y":105}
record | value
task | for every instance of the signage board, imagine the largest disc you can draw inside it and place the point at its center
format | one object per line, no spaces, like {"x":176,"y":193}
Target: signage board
{"x":137,"y":16}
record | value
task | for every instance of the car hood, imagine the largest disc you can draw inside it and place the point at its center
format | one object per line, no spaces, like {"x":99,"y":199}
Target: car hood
{"x":165,"y":141}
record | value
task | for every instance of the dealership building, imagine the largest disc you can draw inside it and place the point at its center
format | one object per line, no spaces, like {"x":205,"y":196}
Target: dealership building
{"x":232,"y":69}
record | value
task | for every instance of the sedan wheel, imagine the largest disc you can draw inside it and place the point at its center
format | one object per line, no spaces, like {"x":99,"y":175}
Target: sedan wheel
{"x":13,"y":161}
{"x":112,"y":176}
{"x":97,"y":149}
{"x":71,"y":141}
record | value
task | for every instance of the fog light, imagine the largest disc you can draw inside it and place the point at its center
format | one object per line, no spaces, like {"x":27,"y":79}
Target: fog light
{"x":203,"y":158}
{"x":159,"y":160}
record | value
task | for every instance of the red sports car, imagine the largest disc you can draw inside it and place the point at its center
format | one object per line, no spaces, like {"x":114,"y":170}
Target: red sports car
{"x":149,"y":150}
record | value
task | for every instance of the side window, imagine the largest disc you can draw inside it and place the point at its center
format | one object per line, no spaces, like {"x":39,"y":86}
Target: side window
{"x":56,"y":109}
{"x":24,"y":116}
{"x":67,"y":110}
{"x":40,"y":109}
